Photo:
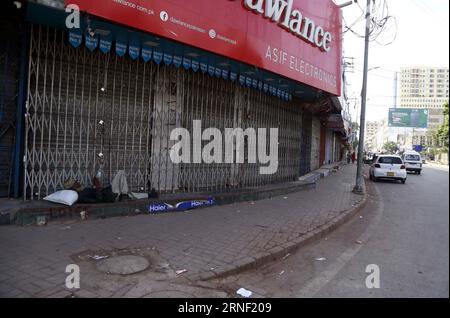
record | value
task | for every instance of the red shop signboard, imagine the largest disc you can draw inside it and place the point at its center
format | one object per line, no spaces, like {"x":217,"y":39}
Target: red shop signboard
{"x":299,"y":39}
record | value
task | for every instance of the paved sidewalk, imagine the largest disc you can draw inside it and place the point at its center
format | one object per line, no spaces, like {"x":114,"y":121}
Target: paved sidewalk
{"x":206,"y":242}
{"x":435,"y":165}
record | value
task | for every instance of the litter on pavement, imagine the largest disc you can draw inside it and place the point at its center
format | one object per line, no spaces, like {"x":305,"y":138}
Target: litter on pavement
{"x":181,"y":271}
{"x":321,"y":259}
{"x":41,"y":220}
{"x":244,"y":292}
{"x":99,"y":257}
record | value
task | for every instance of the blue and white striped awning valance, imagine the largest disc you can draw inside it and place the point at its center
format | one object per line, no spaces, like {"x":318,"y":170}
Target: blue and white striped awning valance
{"x":167,"y":54}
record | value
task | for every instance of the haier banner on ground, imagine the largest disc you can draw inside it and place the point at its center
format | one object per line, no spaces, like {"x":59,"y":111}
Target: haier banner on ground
{"x":408,"y":117}
{"x":298,"y":39}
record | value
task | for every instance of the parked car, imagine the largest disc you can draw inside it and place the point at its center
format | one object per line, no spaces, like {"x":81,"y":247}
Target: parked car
{"x":413,"y":161}
{"x":368,"y":157}
{"x":374,"y":157}
{"x":388,"y":167}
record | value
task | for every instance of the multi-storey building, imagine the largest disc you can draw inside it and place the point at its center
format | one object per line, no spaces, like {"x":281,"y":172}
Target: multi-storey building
{"x":425,"y":87}
{"x":371,"y":130}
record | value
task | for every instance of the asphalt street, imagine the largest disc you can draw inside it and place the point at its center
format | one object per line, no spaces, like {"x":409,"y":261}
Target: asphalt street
{"x":403,"y":230}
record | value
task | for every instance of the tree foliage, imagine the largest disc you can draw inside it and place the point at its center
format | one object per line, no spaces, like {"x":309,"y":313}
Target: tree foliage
{"x":390,"y":147}
{"x":355,"y":143}
{"x":439,"y":136}
{"x":355,"y":126}
{"x":442,"y":132}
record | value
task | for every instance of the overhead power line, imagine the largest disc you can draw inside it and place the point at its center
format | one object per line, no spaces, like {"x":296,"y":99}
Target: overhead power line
{"x":381,"y":23}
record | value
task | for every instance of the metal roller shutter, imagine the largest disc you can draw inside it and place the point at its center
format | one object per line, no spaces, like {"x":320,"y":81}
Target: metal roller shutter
{"x":89,"y":110}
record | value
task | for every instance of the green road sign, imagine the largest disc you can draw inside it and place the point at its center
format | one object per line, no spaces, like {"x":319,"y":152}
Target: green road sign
{"x":408,"y":117}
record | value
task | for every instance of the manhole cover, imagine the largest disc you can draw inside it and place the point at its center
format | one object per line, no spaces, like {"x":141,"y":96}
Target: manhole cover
{"x":123,"y":265}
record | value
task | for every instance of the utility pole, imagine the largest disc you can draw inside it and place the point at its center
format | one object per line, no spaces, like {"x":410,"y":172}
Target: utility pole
{"x":359,"y":177}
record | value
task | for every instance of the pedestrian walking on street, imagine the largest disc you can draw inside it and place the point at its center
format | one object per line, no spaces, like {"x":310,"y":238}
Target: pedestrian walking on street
{"x":353,"y":157}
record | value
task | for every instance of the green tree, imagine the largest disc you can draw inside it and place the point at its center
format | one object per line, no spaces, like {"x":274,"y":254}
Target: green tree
{"x":390,"y":147}
{"x":442,"y":132}
{"x":432,"y":137}
{"x":355,"y":127}
{"x":355,"y":130}
{"x":355,"y":143}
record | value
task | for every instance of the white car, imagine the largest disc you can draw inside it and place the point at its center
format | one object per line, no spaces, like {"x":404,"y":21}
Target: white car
{"x":413,"y":161}
{"x":388,"y":167}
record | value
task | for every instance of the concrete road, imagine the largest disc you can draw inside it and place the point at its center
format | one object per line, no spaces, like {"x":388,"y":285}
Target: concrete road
{"x":403,"y":230}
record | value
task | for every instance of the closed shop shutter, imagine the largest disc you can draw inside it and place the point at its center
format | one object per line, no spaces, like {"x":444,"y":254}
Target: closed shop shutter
{"x":305,"y":156}
{"x":9,"y":78}
{"x":90,"y":110}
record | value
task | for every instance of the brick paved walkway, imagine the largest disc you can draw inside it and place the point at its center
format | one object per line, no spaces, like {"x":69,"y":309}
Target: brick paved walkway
{"x":206,"y":242}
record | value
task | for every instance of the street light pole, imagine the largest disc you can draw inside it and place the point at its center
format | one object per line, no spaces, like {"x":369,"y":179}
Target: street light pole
{"x":359,"y":177}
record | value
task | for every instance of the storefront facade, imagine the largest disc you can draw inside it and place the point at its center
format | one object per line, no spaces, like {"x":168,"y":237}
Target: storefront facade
{"x":105,"y":97}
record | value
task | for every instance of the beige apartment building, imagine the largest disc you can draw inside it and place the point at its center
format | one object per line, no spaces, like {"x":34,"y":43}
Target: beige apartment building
{"x":425,"y":87}
{"x":371,"y":131}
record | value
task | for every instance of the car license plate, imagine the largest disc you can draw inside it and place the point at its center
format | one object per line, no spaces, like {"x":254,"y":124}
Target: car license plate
{"x":391,"y":174}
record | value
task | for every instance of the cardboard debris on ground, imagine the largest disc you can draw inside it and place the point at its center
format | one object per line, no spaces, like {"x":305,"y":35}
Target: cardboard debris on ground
{"x":244,"y":292}
{"x":41,"y":220}
{"x":99,"y":257}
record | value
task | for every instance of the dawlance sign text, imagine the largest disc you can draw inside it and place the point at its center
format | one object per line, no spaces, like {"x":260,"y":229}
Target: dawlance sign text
{"x":283,"y":13}
{"x":299,"y":39}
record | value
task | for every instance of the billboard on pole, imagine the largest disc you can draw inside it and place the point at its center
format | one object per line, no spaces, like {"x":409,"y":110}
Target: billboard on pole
{"x":408,"y":117}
